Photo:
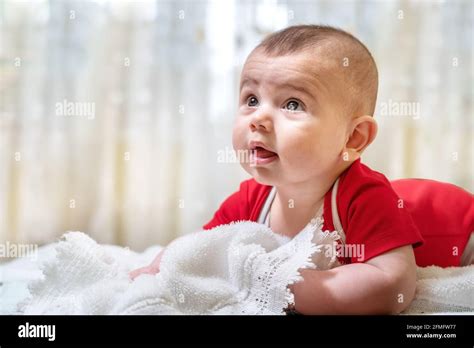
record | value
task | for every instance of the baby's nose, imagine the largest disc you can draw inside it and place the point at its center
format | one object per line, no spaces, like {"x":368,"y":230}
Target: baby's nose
{"x":262,"y":120}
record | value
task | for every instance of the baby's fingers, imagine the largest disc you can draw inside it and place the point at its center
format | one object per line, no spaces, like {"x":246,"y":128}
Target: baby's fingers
{"x":142,"y":270}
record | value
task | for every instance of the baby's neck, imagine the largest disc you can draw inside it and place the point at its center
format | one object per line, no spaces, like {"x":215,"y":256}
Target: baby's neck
{"x":295,"y":206}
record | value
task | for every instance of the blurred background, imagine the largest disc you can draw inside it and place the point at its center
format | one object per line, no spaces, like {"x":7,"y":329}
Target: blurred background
{"x":113,"y":114}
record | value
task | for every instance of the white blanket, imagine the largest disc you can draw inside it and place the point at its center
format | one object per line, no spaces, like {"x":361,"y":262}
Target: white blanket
{"x":241,"y":268}
{"x":443,"y":291}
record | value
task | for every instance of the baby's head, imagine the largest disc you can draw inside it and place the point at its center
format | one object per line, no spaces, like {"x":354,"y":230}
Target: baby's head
{"x":306,"y":105}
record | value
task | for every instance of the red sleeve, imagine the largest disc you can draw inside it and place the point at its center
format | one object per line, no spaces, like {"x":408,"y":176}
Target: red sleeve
{"x":229,"y":210}
{"x":373,"y":218}
{"x":244,"y":204}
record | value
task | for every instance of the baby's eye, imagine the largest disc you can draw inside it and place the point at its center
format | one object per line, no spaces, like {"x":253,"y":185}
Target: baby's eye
{"x":293,"y":105}
{"x":252,"y":101}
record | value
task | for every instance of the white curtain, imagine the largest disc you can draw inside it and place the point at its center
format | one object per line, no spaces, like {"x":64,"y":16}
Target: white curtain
{"x":113,"y":113}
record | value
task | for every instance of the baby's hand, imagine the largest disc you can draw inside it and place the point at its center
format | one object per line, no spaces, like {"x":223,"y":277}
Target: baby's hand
{"x":152,"y":268}
{"x":143,"y":270}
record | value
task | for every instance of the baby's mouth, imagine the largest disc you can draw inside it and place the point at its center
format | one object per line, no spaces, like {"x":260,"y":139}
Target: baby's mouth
{"x":260,"y":152}
{"x":261,"y":156}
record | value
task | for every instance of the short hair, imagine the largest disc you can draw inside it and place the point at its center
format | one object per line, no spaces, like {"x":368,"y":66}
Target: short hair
{"x":360,"y":72}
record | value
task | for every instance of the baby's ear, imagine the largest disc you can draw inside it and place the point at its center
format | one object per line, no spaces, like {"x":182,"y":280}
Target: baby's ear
{"x":362,"y":131}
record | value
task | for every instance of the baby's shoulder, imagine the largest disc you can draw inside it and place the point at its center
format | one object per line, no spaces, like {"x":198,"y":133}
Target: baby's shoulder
{"x":359,"y":182}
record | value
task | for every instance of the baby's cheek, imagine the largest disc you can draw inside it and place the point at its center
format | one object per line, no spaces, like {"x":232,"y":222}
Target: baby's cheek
{"x":238,"y":135}
{"x":305,"y":154}
{"x":301,"y":146}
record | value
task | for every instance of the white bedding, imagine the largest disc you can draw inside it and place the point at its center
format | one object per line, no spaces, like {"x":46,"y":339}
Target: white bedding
{"x":447,"y":290}
{"x":17,"y":274}
{"x":241,"y":268}
{"x":439,"y":291}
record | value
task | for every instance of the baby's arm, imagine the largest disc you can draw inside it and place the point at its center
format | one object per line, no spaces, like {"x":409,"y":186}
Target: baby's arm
{"x":384,"y":284}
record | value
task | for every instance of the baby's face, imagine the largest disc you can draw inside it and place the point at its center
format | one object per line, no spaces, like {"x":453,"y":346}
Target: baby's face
{"x":290,"y":104}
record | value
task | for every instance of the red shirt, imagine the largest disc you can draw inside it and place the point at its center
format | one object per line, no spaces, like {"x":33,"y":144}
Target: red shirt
{"x":369,"y":210}
{"x":444,"y":214}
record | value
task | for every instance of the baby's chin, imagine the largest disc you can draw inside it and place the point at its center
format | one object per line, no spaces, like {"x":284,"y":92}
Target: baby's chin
{"x":263,"y":176}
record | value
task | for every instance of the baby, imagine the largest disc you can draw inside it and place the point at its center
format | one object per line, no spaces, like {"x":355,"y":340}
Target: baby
{"x":307,"y":99}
